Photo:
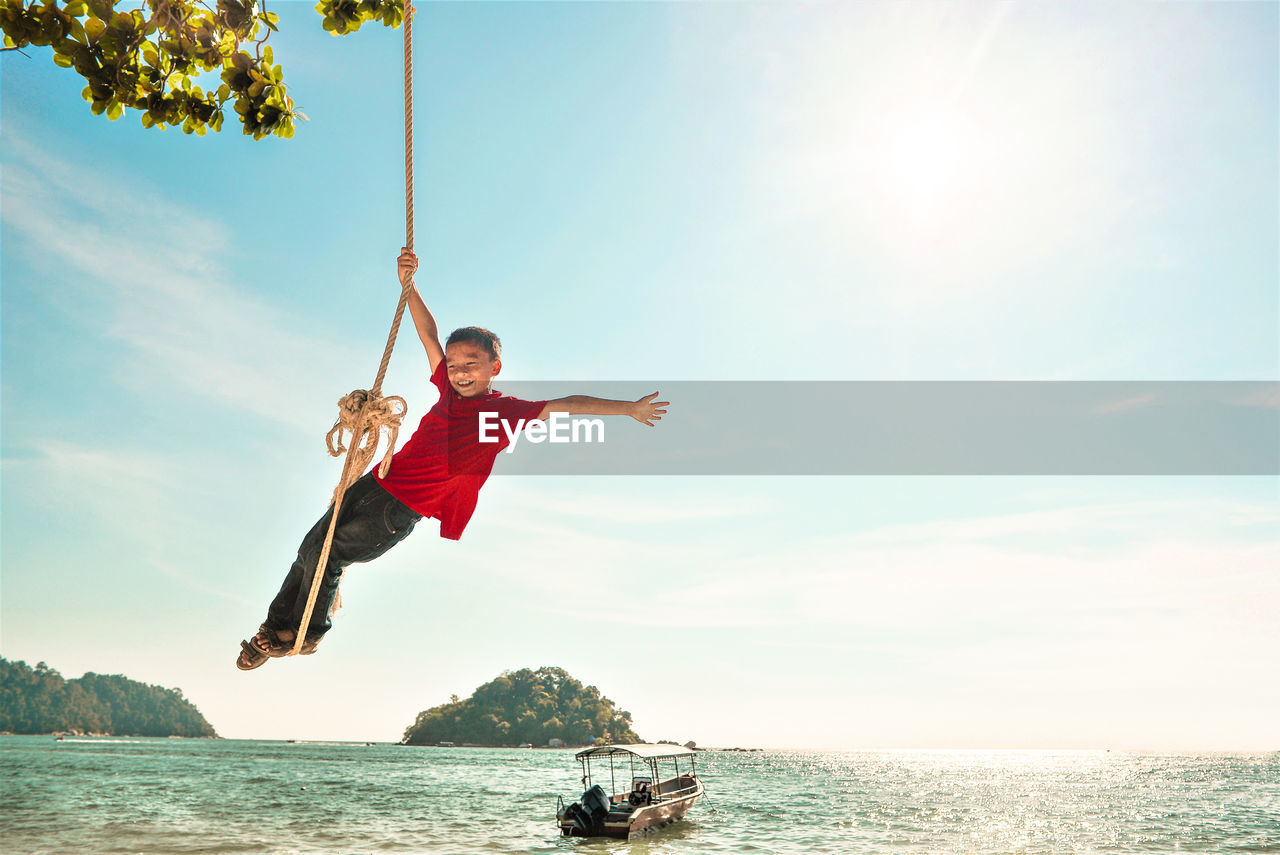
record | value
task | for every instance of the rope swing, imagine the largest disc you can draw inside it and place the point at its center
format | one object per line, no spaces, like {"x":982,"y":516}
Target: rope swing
{"x":364,"y":414}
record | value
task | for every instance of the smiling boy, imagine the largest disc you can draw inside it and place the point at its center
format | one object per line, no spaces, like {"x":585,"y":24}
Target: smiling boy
{"x":437,"y":474}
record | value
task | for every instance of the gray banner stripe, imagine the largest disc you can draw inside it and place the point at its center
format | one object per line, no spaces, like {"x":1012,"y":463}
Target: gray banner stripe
{"x":921,"y":428}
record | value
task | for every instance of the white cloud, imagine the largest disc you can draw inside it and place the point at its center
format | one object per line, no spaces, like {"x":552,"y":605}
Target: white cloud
{"x":168,"y":295}
{"x":1070,"y":570}
{"x":98,"y":481}
{"x":609,"y":506}
{"x":142,"y":500}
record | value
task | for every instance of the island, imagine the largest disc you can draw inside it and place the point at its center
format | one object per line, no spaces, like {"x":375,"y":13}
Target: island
{"x":40,"y":700}
{"x":546,"y":707}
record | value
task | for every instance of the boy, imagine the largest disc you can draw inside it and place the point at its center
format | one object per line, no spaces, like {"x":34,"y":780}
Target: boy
{"x":438,"y":473}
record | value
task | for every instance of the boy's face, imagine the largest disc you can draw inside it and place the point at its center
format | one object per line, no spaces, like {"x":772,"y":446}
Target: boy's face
{"x":471,"y":368}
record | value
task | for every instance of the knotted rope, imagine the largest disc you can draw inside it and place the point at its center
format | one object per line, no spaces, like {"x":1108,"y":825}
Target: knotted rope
{"x":364,"y":414}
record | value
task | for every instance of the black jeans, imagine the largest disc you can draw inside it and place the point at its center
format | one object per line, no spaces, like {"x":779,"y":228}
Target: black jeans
{"x":370,"y":522}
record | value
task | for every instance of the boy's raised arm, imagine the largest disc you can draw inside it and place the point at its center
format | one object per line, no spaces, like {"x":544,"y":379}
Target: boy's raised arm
{"x":423,"y":321}
{"x":645,"y":410}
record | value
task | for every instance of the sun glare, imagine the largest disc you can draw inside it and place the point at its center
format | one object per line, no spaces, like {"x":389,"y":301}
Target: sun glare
{"x":929,"y":161}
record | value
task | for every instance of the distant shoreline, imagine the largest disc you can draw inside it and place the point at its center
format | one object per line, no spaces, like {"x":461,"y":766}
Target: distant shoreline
{"x":72,"y":734}
{"x":65,"y":734}
{"x":559,"y":747}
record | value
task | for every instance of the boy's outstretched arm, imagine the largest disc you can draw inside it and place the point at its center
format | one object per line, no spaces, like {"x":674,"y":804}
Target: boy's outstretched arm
{"x":423,"y":321}
{"x":645,"y":410}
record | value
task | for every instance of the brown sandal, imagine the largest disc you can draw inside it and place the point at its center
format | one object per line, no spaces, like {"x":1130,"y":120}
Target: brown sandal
{"x":267,"y":644}
{"x":250,"y":657}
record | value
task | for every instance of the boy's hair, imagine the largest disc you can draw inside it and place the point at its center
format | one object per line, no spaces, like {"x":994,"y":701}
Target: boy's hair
{"x":478,"y":336}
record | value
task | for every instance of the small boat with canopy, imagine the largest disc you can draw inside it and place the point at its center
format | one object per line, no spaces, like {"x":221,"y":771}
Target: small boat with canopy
{"x":655,"y":790}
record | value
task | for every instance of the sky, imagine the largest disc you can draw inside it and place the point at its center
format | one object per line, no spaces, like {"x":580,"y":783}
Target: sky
{"x":663,"y":192}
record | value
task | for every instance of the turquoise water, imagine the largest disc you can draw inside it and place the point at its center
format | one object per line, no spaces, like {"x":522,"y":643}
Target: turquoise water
{"x":229,"y":796}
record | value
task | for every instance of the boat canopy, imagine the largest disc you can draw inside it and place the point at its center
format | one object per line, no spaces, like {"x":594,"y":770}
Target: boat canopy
{"x":645,"y":750}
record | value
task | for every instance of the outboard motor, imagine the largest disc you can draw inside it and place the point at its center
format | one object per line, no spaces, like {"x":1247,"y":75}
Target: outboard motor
{"x":588,"y":815}
{"x":596,"y":801}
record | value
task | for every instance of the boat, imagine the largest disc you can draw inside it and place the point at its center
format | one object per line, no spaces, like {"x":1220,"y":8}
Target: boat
{"x":656,"y":790}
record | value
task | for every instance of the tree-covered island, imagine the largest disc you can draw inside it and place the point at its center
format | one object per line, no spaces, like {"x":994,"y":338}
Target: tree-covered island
{"x":40,"y":700}
{"x":525,"y":707}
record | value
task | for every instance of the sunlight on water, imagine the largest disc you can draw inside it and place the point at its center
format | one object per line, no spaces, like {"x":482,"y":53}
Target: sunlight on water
{"x":221,"y":796}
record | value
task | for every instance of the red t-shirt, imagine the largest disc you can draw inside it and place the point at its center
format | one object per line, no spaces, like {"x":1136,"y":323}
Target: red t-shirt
{"x":442,"y":467}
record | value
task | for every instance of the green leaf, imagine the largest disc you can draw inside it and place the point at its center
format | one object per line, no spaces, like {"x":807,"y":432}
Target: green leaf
{"x":130,"y":60}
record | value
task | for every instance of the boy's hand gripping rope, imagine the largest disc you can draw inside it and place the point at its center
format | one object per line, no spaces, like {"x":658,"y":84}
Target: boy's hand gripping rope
{"x":366,"y":413}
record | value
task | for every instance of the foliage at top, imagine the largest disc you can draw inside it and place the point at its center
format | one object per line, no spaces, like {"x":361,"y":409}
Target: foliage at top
{"x":39,"y":700}
{"x":152,"y":57}
{"x":525,"y":706}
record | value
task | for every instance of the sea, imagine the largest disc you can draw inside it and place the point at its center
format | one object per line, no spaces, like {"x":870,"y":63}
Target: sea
{"x":158,"y":796}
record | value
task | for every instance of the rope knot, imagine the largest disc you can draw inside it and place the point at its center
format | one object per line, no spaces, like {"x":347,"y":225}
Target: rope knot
{"x":364,"y":415}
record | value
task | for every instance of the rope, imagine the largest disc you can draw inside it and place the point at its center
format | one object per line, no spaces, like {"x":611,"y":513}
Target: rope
{"x":366,"y":413}
{"x":408,"y":125}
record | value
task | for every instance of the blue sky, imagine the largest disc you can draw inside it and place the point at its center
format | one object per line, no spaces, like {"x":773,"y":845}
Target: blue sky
{"x":663,"y":192}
